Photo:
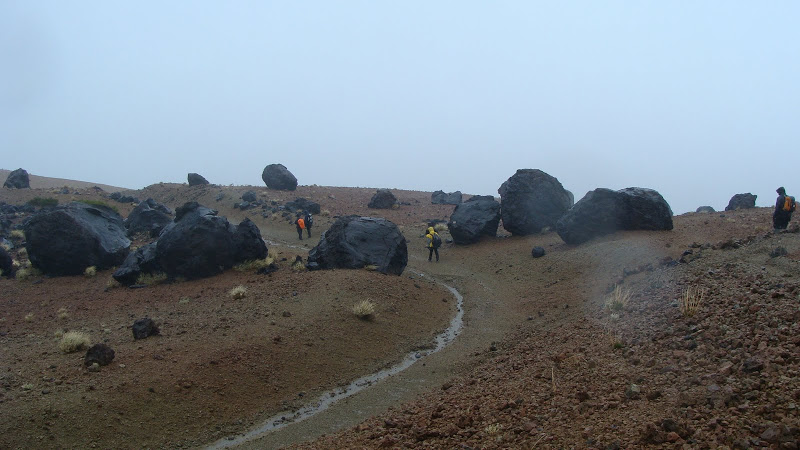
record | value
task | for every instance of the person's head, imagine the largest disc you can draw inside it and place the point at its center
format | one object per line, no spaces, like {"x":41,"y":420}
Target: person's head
{"x":781,"y":191}
{"x":430,"y":230}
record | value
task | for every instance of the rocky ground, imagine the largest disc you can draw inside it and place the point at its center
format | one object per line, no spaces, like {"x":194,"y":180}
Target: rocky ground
{"x":544,"y":360}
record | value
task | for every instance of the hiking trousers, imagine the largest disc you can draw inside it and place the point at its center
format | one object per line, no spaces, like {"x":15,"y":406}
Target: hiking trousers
{"x":431,"y":250}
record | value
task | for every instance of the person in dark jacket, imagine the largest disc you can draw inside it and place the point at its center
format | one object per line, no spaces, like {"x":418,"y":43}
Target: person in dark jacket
{"x":309,"y":220}
{"x":781,"y":217}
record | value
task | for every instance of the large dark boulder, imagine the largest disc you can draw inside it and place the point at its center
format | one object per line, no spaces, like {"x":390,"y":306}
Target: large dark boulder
{"x":705,"y":209}
{"x":249,"y":196}
{"x":741,"y":201}
{"x":302,"y":204}
{"x":195,"y":179}
{"x":68,"y":239}
{"x":442,"y":198}
{"x":18,"y":179}
{"x":473,"y":219}
{"x":148,"y":217}
{"x":277,"y":176}
{"x":6,"y":263}
{"x":383,"y":199}
{"x":532,"y":200}
{"x":604,"y":211}
{"x":354,"y":242}
{"x":200,"y":244}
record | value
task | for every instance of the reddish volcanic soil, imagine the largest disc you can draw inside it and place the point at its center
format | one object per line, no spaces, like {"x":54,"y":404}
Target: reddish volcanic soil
{"x":541,"y":360}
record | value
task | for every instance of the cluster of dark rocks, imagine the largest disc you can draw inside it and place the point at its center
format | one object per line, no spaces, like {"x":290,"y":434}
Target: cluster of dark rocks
{"x":123,"y":198}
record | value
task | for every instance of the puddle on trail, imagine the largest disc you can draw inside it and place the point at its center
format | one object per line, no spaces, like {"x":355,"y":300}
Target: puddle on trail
{"x":327,"y":399}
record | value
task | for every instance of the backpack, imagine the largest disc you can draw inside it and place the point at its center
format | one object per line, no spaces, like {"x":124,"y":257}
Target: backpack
{"x":788,"y":203}
{"x":437,"y":241}
{"x":309,"y":220}
{"x":301,"y":223}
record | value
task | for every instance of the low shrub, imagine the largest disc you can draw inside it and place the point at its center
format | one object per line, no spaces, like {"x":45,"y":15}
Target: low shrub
{"x":63,"y":313}
{"x":29,"y":317}
{"x":691,"y":299}
{"x":28,"y":272}
{"x":364,"y":309}
{"x":151,"y":279}
{"x":618,"y":299}
{"x":90,"y":271}
{"x":42,"y":202}
{"x":439,"y":227}
{"x":17,"y":235}
{"x":74,"y":341}
{"x":239,"y":292}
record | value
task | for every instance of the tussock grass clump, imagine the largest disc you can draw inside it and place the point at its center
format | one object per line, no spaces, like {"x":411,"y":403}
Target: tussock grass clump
{"x":63,"y":313}
{"x":618,"y":299}
{"x":29,"y":317}
{"x":90,"y":271}
{"x":371,"y":267}
{"x":184,"y":301}
{"x":100,"y":203}
{"x":74,"y":341}
{"x":439,"y":227}
{"x":27,"y":273}
{"x":364,"y":309}
{"x":690,"y":301}
{"x":112,"y":284}
{"x":239,"y":292}
{"x":254,"y":265}
{"x":298,"y":265}
{"x":151,"y":279}
{"x":43,"y":202}
{"x":325,"y":213}
{"x":17,"y":235}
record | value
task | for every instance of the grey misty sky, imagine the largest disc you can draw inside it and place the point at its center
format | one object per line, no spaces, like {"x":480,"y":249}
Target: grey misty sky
{"x":698,"y":100}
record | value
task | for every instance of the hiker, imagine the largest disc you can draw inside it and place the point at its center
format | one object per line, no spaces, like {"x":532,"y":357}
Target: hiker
{"x":784,"y":207}
{"x":300,"y":223}
{"x":434,"y":242}
{"x":309,"y":220}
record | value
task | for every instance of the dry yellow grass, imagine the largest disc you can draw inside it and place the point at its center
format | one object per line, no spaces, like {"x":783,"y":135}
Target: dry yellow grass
{"x":74,"y":341}
{"x":618,"y":299}
{"x":151,"y":279}
{"x":364,"y":309}
{"x":238,"y":292}
{"x":690,"y":301}
{"x":90,"y":271}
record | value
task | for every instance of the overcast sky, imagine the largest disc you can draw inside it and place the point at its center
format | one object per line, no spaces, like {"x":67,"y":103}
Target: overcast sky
{"x":697,"y":100}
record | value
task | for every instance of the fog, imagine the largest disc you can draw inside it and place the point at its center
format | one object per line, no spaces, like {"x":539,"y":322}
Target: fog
{"x":697,"y":100}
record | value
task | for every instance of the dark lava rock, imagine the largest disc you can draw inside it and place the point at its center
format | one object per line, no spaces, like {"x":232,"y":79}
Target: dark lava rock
{"x":100,"y":354}
{"x":741,"y":201}
{"x":705,"y":209}
{"x":751,"y":365}
{"x":383,"y":199}
{"x":66,"y":240}
{"x":143,"y":260}
{"x":277,"y":176}
{"x":148,"y":217}
{"x":532,"y":200}
{"x":442,"y":198}
{"x":473,"y":219}
{"x":18,"y":179}
{"x":195,"y":179}
{"x":354,"y":242}
{"x":249,"y":196}
{"x":247,"y":242}
{"x":144,"y":328}
{"x":119,"y":197}
{"x":537,"y":252}
{"x":6,"y":263}
{"x":604,"y":211}
{"x":302,"y":204}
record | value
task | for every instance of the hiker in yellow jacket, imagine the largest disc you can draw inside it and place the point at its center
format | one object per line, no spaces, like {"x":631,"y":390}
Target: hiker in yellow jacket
{"x":434,"y":241}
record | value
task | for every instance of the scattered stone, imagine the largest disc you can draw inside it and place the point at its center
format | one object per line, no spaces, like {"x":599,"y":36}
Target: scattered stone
{"x":249,"y":196}
{"x":145,"y":327}
{"x":751,"y":365}
{"x":100,"y":354}
{"x":537,"y":252}
{"x":383,"y":199}
{"x":302,"y":204}
{"x":442,"y":198}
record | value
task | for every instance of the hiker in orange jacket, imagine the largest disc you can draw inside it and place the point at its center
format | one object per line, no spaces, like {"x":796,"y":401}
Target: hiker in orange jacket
{"x":782,"y":215}
{"x":301,"y":225}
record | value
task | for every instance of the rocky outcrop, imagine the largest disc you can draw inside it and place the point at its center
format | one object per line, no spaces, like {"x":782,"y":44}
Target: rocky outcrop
{"x":277,"y":176}
{"x":741,"y":201}
{"x":197,"y":244}
{"x":18,"y":179}
{"x":473,"y":219}
{"x":148,"y":217}
{"x":122,"y":198}
{"x":604,"y":211}
{"x":532,"y":200}
{"x":195,"y":179}
{"x":442,"y":198}
{"x":705,"y":209}
{"x":383,"y":199}
{"x":302,"y":204}
{"x":354,"y":242}
{"x":68,"y":239}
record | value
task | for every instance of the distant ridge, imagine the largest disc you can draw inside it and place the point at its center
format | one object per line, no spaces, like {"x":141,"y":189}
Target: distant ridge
{"x":38,"y":182}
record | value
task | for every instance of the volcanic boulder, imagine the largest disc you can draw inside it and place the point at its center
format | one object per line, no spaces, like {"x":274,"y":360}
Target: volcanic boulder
{"x":195,"y":179}
{"x":6,"y":263}
{"x":200,"y":244}
{"x":383,"y":199}
{"x":144,"y":328}
{"x":66,"y":240}
{"x":18,"y":179}
{"x":143,"y":260}
{"x":302,"y":204}
{"x":148,"y":217}
{"x":277,"y":176}
{"x":532,"y":200}
{"x":705,"y":209}
{"x":476,"y":217}
{"x":354,"y":242}
{"x":100,"y":354}
{"x":249,"y":196}
{"x":442,"y":198}
{"x":741,"y":201}
{"x":604,"y":211}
